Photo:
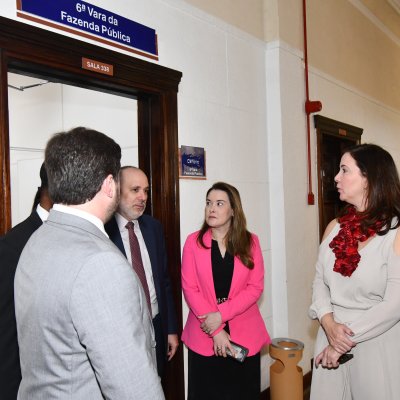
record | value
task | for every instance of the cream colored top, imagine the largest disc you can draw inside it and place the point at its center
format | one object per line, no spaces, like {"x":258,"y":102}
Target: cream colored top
{"x":368,"y":301}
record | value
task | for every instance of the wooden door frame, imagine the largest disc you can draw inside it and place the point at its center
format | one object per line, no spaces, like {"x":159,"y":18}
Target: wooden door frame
{"x":38,"y":52}
{"x":341,"y":130}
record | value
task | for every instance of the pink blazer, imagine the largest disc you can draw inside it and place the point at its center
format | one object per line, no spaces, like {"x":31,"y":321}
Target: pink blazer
{"x":241,"y":310}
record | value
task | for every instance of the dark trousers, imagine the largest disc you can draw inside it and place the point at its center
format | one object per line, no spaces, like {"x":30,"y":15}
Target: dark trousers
{"x":160,"y":345}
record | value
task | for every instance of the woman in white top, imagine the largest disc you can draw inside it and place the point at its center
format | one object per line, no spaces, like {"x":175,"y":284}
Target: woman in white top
{"x":356,"y":290}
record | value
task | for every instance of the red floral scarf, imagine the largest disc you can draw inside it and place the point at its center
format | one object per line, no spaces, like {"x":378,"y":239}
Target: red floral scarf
{"x":345,"y":243}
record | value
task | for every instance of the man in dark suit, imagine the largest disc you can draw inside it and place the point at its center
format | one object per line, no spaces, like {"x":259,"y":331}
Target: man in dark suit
{"x":11,"y":246}
{"x":134,"y":187}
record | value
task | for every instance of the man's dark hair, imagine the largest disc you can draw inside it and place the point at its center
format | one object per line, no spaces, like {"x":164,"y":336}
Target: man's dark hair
{"x":43,"y":185}
{"x":77,"y":162}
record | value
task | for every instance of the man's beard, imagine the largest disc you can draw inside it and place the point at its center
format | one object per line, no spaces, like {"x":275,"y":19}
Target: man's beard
{"x":113,"y":206}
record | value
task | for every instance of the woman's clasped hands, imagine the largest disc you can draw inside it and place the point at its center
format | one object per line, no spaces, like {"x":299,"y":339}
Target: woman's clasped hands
{"x":222,"y":343}
{"x":328,"y":358}
{"x":339,"y":342}
{"x":210,"y":322}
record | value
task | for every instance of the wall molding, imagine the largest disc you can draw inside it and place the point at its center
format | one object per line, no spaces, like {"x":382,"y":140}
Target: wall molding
{"x":352,"y":89}
{"x":281,"y":45}
{"x":395,"y":4}
{"x":375,"y":20}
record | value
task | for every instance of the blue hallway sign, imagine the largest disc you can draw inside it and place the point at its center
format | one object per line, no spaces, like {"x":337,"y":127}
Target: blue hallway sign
{"x":94,"y":20}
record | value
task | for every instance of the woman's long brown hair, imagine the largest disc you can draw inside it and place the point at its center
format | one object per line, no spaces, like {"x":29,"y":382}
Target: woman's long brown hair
{"x":238,"y":240}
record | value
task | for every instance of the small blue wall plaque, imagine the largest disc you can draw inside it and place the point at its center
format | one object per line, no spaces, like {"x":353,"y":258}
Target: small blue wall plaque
{"x":192,"y":162}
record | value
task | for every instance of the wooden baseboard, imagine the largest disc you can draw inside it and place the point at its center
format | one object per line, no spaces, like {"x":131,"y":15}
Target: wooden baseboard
{"x":265,"y":395}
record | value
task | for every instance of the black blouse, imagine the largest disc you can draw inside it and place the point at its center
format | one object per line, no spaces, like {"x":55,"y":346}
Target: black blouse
{"x":222,"y":269}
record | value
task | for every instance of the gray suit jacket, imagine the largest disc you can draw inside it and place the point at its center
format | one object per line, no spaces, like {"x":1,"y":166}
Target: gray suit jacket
{"x":84,"y":330}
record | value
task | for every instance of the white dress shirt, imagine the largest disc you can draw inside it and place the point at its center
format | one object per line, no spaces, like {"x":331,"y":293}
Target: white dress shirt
{"x":43,"y":214}
{"x":82,"y":214}
{"x":121,"y":221}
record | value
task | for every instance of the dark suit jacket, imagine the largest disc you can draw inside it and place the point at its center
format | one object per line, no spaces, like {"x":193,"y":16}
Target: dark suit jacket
{"x":11,"y":246}
{"x":153,"y":236}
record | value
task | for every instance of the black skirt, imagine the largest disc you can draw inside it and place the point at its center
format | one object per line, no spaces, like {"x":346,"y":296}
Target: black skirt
{"x":219,"y":378}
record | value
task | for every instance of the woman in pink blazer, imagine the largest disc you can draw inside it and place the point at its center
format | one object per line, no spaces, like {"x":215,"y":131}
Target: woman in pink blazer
{"x":222,"y":280}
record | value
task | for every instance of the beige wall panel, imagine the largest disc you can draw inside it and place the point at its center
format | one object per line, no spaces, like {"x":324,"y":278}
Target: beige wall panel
{"x":271,"y":20}
{"x":348,"y":46}
{"x":290,"y":15}
{"x":246,"y":15}
{"x":385,"y":13}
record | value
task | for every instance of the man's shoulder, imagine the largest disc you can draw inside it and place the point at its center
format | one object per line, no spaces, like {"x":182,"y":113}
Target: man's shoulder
{"x":20,"y":233}
{"x":14,"y":241}
{"x":72,"y":244}
{"x":111,"y":225}
{"x":148,"y":220}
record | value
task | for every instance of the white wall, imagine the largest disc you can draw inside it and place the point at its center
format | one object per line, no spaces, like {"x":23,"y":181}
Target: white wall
{"x":38,"y":112}
{"x":222,"y":104}
{"x":294,"y":223}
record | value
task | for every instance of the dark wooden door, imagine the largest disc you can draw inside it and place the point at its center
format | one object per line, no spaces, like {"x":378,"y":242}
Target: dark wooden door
{"x":333,"y":137}
{"x":37,"y":52}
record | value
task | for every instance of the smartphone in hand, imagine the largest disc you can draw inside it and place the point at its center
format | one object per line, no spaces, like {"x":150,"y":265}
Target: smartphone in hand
{"x":240,"y":352}
{"x":345,"y":357}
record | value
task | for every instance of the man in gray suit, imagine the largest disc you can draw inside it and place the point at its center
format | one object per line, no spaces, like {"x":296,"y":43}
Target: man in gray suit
{"x":84,"y":328}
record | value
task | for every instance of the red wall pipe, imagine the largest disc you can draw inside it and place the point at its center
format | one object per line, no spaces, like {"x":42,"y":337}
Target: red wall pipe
{"x":310,"y":107}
